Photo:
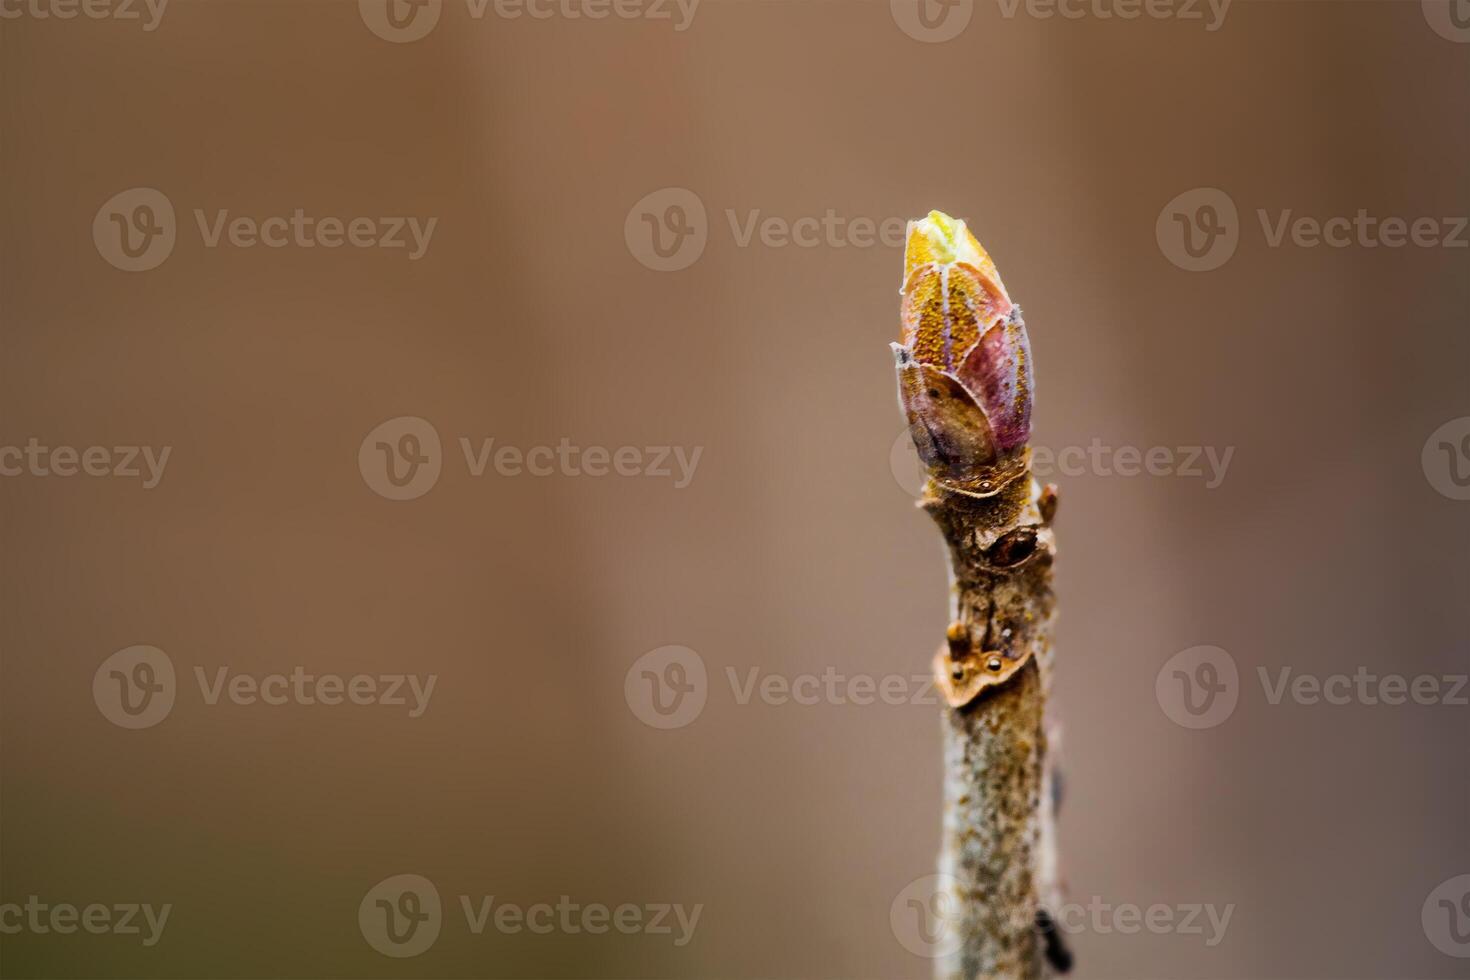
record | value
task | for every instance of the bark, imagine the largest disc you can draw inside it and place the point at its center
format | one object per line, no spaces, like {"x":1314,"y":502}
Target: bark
{"x":997,"y":858}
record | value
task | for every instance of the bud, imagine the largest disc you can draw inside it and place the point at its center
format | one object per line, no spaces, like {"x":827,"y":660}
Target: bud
{"x":964,"y":364}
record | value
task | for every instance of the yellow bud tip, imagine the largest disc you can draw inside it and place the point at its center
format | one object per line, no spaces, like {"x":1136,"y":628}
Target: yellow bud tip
{"x":937,"y":239}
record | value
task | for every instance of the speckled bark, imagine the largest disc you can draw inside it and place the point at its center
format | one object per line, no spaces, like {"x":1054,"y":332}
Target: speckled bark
{"x":992,"y":836}
{"x":997,"y":855}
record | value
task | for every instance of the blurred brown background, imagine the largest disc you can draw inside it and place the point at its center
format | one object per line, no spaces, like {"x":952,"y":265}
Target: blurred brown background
{"x":532,"y":318}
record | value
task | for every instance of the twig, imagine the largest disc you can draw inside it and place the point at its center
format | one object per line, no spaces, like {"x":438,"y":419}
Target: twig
{"x":965,"y":384}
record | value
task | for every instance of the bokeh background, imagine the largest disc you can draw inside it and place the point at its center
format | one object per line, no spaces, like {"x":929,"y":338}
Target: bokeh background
{"x":1331,"y":545}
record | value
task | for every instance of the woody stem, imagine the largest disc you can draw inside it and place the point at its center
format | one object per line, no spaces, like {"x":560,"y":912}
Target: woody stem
{"x":997,"y":857}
